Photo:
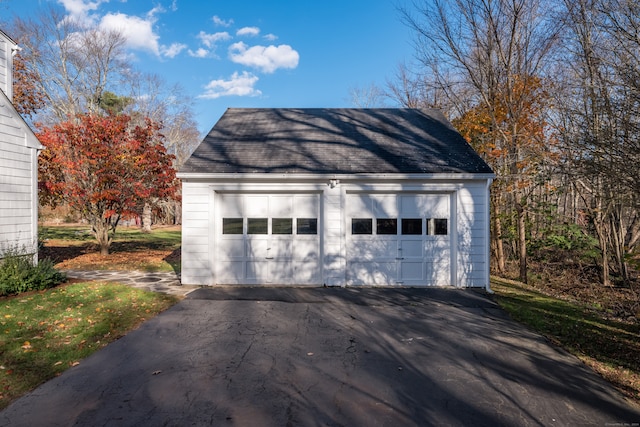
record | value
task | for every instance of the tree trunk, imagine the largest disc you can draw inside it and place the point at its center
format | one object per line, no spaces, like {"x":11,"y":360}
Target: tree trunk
{"x":618,"y":234}
{"x":177,"y":206}
{"x":101,"y":232}
{"x":522,"y":242}
{"x":497,"y":223}
{"x":598,"y":225}
{"x":146,"y":218}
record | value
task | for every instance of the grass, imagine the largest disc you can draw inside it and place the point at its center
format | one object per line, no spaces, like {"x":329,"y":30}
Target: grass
{"x":43,"y":333}
{"x":609,"y":346}
{"x":74,"y":248}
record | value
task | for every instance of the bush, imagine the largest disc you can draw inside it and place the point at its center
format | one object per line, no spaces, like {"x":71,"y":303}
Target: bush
{"x":563,"y":242}
{"x":18,"y":273}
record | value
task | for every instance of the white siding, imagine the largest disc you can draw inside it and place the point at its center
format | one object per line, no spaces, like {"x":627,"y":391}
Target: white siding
{"x":333,"y":241}
{"x":197,"y":214}
{"x":18,"y":182}
{"x":472,"y":235}
{"x":18,"y":167}
{"x":5,"y":63}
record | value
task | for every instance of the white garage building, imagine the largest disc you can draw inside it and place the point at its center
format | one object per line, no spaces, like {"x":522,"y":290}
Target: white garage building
{"x":374,"y":197}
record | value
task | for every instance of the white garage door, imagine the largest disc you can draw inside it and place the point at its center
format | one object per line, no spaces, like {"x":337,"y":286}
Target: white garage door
{"x":398,"y":239}
{"x":268,"y":239}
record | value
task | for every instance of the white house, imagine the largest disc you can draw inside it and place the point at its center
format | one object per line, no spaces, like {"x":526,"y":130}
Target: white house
{"x":336,"y":197}
{"x":19,"y":150}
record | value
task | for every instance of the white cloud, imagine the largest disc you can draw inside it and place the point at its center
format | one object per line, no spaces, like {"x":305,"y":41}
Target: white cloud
{"x":248,"y":31}
{"x":209,"y":40}
{"x":238,"y":85}
{"x":80,"y":10}
{"x":173,"y":50}
{"x":200,"y":53}
{"x":266,"y":59}
{"x":138,"y":32}
{"x":270,"y":37}
{"x":221,"y":22}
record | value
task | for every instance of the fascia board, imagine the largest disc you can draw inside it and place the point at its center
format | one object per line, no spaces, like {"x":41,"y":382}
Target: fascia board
{"x":342,"y":177}
{"x":31,"y":140}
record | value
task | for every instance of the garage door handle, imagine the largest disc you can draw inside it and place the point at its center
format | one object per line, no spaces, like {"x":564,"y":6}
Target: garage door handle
{"x":400,"y":258}
{"x":269,"y":257}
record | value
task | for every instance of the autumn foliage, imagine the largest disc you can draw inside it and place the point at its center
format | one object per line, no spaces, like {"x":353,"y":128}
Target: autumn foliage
{"x":27,"y":97}
{"x":104,"y":168}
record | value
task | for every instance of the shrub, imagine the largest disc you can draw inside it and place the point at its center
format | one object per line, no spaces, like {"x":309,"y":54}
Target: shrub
{"x":18,"y":273}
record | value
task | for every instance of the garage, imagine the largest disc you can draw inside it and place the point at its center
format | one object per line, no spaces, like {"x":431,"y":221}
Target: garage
{"x":398,"y":239}
{"x":268,"y":239}
{"x":335,"y":197}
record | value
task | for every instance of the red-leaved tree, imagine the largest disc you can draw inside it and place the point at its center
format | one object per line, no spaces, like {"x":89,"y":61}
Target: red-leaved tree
{"x":104,"y":168}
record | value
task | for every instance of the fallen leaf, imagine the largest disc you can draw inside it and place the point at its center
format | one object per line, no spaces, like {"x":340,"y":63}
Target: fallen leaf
{"x":157,"y":372}
{"x":26,"y":345}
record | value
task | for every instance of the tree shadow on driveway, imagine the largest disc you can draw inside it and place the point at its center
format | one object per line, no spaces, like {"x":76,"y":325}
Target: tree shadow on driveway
{"x":328,"y":356}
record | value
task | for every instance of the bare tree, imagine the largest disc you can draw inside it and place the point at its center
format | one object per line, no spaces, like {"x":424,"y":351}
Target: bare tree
{"x":170,"y":106}
{"x":598,"y":123}
{"x":371,"y":96}
{"x":167,"y":104}
{"x":487,"y":50}
{"x":71,"y":63}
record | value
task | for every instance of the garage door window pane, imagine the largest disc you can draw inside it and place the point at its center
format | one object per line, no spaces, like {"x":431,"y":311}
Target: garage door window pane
{"x":386,"y":226}
{"x":282,"y":226}
{"x":440,"y":226}
{"x":412,"y":226}
{"x":307,"y":225}
{"x":257,"y":226}
{"x":361,"y":226}
{"x":231,"y":225}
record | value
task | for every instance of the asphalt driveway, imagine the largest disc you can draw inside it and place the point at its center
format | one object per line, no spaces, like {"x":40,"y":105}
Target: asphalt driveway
{"x":327,"y":357}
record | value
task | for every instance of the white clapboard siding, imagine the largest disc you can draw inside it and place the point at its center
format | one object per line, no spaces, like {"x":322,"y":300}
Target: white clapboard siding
{"x":197,"y":267}
{"x":5,"y":64}
{"x":472,"y":235}
{"x":18,"y":168}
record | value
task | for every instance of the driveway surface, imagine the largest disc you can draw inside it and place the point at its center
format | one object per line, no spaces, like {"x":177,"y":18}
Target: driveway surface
{"x":327,"y":357}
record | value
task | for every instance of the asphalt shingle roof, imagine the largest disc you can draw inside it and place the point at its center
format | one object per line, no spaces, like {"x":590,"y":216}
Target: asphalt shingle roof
{"x":334,"y":141}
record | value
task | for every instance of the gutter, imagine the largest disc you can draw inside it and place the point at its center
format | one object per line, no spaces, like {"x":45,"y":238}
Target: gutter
{"x":325,"y":176}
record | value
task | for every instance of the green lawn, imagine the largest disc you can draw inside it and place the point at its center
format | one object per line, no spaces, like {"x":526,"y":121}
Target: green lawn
{"x":159,"y":238}
{"x":610,"y":346}
{"x":44,"y":333}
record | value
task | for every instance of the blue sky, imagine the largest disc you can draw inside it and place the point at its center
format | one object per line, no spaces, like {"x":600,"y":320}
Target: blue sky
{"x":252,"y":53}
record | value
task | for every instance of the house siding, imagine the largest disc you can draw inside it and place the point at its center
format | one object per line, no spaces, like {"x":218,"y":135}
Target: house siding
{"x":18,"y":167}
{"x":472,"y":230}
{"x":18,"y":198}
{"x":5,"y":66}
{"x":197,"y":240}
{"x":334,"y":260}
